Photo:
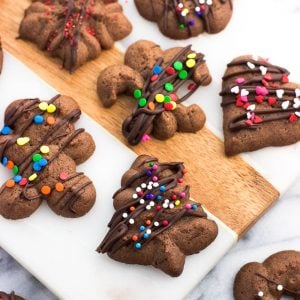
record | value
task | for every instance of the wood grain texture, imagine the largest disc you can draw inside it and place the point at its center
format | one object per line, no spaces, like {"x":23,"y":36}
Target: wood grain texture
{"x":228,"y":187}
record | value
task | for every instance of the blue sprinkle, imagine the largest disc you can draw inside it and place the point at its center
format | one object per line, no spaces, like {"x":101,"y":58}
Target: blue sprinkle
{"x":162,"y":188}
{"x":149,"y":173}
{"x":36,"y":166}
{"x":43,"y":162}
{"x":159,"y":197}
{"x":38,"y":119}
{"x":148,"y":196}
{"x":146,"y":235}
{"x":17,"y":178}
{"x":191,"y":22}
{"x":4,"y":161}
{"x":138,"y":245}
{"x":6,"y":130}
{"x":151,"y":196}
{"x":142,"y":228}
{"x":194,"y":206}
{"x":157,"y":70}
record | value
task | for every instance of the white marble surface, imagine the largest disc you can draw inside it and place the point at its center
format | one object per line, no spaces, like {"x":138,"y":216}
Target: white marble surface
{"x":277,"y":230}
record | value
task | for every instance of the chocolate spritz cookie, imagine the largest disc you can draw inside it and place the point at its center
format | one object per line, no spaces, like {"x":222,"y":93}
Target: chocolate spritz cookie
{"x":11,"y":296}
{"x":41,"y":147}
{"x":74,"y":30}
{"x":159,"y":81}
{"x":261,"y":107}
{"x":155,"y":222}
{"x":181,"y":19}
{"x":277,"y":276}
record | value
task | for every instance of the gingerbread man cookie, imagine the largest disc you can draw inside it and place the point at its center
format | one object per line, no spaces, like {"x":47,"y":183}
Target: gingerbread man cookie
{"x":41,"y":147}
{"x":155,"y":222}
{"x":159,"y":81}
{"x":74,"y":30}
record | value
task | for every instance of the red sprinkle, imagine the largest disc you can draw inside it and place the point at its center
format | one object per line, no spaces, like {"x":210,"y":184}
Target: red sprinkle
{"x":265,"y":83}
{"x":249,"y":123}
{"x":284,"y":78}
{"x":272,"y":100}
{"x":168,"y":106}
{"x":165,"y":222}
{"x":154,"y":77}
{"x":239,"y":103}
{"x":180,"y":180}
{"x":170,"y":71}
{"x":293,"y":118}
{"x":23,"y":181}
{"x":268,"y":76}
{"x":257,"y":120}
{"x":192,"y":86}
{"x":259,"y":99}
{"x":173,"y":97}
{"x":158,"y":207}
{"x":174,"y":197}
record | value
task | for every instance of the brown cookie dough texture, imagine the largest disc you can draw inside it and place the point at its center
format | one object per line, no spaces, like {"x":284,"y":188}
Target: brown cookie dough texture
{"x":155,"y":222}
{"x":261,"y":107}
{"x":1,"y":56}
{"x":278,"y":275}
{"x":76,"y":30}
{"x":41,"y":147}
{"x":181,"y":19}
{"x":148,"y":71}
{"x":11,"y":296}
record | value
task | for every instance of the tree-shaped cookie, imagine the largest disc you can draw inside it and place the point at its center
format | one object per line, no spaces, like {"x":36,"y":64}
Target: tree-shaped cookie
{"x":155,"y":222}
{"x":74,"y":30}
{"x":181,"y":19}
{"x":159,"y":81}
{"x":11,"y":296}
{"x":261,"y":107}
{"x":277,"y":276}
{"x":41,"y":147}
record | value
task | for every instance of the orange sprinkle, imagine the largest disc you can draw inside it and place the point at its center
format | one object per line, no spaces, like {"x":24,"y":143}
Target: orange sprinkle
{"x":45,"y":190}
{"x":10,"y":164}
{"x":148,"y":222}
{"x":151,"y":106}
{"x":134,"y":238}
{"x":50,"y":120}
{"x":10,"y":183}
{"x":184,"y":171}
{"x":59,"y":187}
{"x":132,"y":208}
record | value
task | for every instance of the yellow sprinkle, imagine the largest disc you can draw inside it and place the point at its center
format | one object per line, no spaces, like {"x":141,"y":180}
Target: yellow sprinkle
{"x":185,"y":11}
{"x":192,"y":55}
{"x":190,"y":63}
{"x":44,"y":149}
{"x":43,"y":106}
{"x":177,"y":202}
{"x":174,"y":105}
{"x":51,"y":108}
{"x":160,"y":98}
{"x":32,"y":177}
{"x":23,"y":141}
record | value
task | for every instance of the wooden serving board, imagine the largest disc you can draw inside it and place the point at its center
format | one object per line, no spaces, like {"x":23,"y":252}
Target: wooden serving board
{"x":217,"y":181}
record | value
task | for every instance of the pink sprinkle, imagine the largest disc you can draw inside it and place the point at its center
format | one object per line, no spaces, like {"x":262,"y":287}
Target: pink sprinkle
{"x":154,"y":178}
{"x":188,"y":206}
{"x":180,"y":180}
{"x":140,"y":193}
{"x":244,"y":98}
{"x":165,"y":222}
{"x":145,"y":138}
{"x":261,"y":90}
{"x":182,"y":195}
{"x":154,"y":167}
{"x":240,"y":80}
{"x":63,"y":176}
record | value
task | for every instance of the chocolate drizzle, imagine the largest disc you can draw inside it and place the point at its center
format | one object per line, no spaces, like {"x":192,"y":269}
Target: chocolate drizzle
{"x":4,"y":296}
{"x":141,"y":120}
{"x":195,"y":10}
{"x":13,"y":113}
{"x":163,"y":217}
{"x":263,"y":97}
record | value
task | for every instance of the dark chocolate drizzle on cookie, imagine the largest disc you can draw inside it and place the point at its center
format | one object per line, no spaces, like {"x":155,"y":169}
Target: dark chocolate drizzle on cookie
{"x":195,"y":9}
{"x":141,"y":120}
{"x":162,"y":217}
{"x":53,"y":135}
{"x":265,"y":100}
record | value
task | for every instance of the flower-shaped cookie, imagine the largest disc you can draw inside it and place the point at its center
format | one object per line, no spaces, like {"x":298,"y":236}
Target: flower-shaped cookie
{"x":41,"y":147}
{"x":277,"y":276}
{"x":74,"y":30}
{"x":155,"y":222}
{"x":181,"y":19}
{"x":159,"y":81}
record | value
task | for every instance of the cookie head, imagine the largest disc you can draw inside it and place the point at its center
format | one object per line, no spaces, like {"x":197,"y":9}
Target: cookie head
{"x":261,"y":107}
{"x":277,"y":276}
{"x":159,"y":81}
{"x":155,"y":222}
{"x":181,"y":19}
{"x":41,"y":147}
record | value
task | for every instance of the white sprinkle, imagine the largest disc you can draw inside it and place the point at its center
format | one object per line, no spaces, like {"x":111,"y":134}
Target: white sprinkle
{"x":156,"y":224}
{"x":156,"y":184}
{"x":260,"y":294}
{"x":244,"y":92}
{"x":249,"y":115}
{"x":280,"y":93}
{"x":131,"y":221}
{"x":297,"y":113}
{"x":148,"y":231}
{"x":165,"y":205}
{"x":201,"y":1}
{"x":152,"y":203}
{"x":197,"y":8}
{"x":125,"y":215}
{"x":134,"y":196}
{"x":250,"y":65}
{"x":142,"y":201}
{"x":180,"y":5}
{"x":149,"y":187}
{"x":285,"y":104}
{"x":297,"y":92}
{"x":209,"y":2}
{"x":150,"y":182}
{"x":296,"y":103}
{"x":138,"y":189}
{"x":148,"y":207}
{"x":251,"y":107}
{"x":143,"y":185}
{"x":167,"y":200}
{"x":263,"y":70}
{"x":171,"y":205}
{"x":235,"y":90}
{"x":279,"y":287}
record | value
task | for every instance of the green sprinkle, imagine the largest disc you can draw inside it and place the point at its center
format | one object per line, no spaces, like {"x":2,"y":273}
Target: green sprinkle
{"x":142,"y":102}
{"x":15,"y":169}
{"x":178,"y":65}
{"x":181,"y":26}
{"x":169,"y":87}
{"x":151,"y":164}
{"x":36,"y":157}
{"x":167,"y":99}
{"x":183,"y":74}
{"x":137,"y":94}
